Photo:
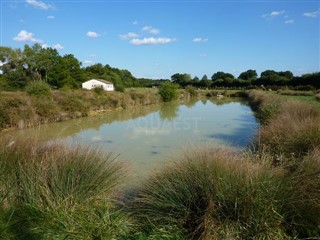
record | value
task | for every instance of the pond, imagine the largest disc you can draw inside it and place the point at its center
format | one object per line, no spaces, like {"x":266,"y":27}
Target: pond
{"x":144,"y":137}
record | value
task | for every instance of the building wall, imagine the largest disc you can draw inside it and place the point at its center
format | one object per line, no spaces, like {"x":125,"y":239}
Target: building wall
{"x":94,"y":83}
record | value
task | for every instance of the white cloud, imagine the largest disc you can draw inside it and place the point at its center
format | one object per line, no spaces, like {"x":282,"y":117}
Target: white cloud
{"x":200,"y":40}
{"x":45,"y":45}
{"x":92,"y":55}
{"x":91,"y":34}
{"x":135,"y":22}
{"x":273,"y":14}
{"x":58,"y":46}
{"x":312,"y":14}
{"x":51,"y":17}
{"x":39,"y":4}
{"x":24,"y":36}
{"x":151,"y":41}
{"x":129,"y":35}
{"x":290,"y":21}
{"x":150,"y":29}
{"x":276,"y":13}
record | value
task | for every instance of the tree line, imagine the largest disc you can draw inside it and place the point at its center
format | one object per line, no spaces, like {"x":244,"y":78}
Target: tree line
{"x":250,"y":78}
{"x":19,"y":67}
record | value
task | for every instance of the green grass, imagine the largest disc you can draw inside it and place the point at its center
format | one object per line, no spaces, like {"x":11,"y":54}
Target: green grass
{"x":306,"y":96}
{"x":225,"y":195}
{"x":308,"y":99}
{"x":50,"y":191}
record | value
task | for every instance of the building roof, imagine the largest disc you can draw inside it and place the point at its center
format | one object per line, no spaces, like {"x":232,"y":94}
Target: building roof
{"x":101,"y":80}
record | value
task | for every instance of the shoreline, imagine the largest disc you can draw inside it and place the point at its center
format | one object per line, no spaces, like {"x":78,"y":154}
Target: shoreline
{"x":20,"y":110}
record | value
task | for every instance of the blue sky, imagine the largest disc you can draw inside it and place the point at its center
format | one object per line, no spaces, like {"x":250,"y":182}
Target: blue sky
{"x":156,"y":39}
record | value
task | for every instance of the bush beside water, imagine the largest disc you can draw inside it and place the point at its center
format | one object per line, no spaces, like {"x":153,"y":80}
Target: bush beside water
{"x":168,"y":92}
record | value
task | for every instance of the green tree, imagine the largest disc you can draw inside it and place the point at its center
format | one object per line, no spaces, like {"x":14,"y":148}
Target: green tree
{"x":268,"y":73}
{"x":221,"y":75}
{"x":181,"y":79}
{"x":13,"y":68}
{"x":205,"y":82}
{"x":248,"y":75}
{"x":196,"y":79}
{"x":204,"y":78}
{"x":287,"y":74}
{"x":73,"y":65}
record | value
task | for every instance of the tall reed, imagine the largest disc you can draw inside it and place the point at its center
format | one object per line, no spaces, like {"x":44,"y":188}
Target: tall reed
{"x":61,"y":192}
{"x":214,"y":195}
{"x":291,"y":131}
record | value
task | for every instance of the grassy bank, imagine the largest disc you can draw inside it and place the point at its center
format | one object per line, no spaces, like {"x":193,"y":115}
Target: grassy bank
{"x":20,"y":110}
{"x":290,"y":128}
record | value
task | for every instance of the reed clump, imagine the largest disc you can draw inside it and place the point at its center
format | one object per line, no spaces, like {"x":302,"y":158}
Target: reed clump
{"x":218,"y":194}
{"x":289,"y":132}
{"x":51,"y":191}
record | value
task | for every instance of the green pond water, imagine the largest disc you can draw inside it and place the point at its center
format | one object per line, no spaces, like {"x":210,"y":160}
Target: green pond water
{"x":145,"y":137}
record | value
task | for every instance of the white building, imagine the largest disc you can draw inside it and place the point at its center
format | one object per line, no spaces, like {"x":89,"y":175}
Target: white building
{"x":94,"y":83}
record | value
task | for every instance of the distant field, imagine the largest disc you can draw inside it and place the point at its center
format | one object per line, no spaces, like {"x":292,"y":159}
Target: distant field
{"x":310,"y":99}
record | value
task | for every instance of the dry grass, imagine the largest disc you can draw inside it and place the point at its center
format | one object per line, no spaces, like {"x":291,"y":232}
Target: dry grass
{"x":290,"y":132}
{"x":20,"y":110}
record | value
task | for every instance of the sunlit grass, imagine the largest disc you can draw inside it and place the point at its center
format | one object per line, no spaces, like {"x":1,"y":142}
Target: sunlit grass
{"x":219,"y":194}
{"x":52,"y":191}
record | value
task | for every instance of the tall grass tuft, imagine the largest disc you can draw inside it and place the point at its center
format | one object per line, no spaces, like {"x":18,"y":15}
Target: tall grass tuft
{"x":59,"y":192}
{"x":214,"y":195}
{"x":293,"y":132}
{"x":302,"y":208}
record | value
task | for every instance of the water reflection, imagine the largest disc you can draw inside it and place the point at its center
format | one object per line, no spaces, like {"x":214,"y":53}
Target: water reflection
{"x":169,"y":111}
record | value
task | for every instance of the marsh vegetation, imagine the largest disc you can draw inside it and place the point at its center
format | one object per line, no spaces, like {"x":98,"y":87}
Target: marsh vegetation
{"x":268,"y":191}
